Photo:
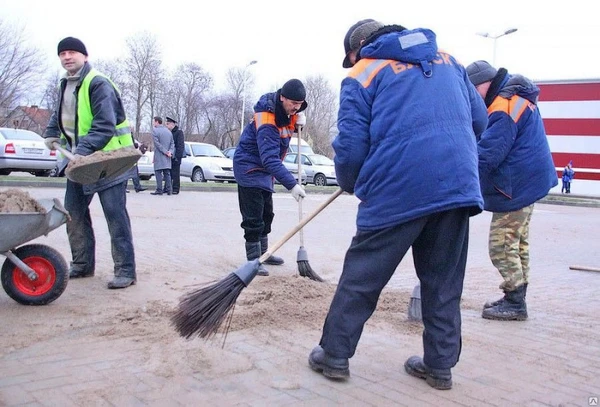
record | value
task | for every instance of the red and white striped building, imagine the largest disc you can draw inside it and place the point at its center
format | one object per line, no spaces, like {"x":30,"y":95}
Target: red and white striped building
{"x":571,"y":113}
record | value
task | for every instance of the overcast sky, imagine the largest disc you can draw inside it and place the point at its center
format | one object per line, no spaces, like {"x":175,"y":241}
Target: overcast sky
{"x":298,"y":39}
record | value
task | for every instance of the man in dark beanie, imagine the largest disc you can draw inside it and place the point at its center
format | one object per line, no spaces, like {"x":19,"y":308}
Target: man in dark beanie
{"x":83,"y":131}
{"x":516,"y":170}
{"x":72,"y":44}
{"x":409,"y":108}
{"x":258,"y":160}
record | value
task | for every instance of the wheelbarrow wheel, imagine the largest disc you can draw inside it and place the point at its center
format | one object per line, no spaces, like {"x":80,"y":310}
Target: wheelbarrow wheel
{"x":52,"y":271}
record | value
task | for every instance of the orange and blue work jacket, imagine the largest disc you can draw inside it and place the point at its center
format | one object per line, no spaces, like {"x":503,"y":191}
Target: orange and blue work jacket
{"x":408,"y":121}
{"x":263,"y":145}
{"x":515,"y":163}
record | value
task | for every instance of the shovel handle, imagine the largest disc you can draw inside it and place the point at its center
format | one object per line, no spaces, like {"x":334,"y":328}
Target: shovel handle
{"x":63,"y":151}
{"x":299,"y":226}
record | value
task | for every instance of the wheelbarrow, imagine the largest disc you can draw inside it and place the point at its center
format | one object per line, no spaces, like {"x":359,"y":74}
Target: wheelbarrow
{"x":33,"y":274}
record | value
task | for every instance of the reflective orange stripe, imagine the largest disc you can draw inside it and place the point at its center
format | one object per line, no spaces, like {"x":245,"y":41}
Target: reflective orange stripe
{"x":365,"y":70}
{"x":263,"y":118}
{"x":514,"y":107}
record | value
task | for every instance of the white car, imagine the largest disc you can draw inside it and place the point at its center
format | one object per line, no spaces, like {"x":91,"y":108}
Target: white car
{"x":146,"y":165}
{"x":25,"y":151}
{"x":205,"y":162}
{"x":320,"y":169}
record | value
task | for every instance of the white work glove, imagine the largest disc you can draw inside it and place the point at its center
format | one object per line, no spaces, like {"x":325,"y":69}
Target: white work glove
{"x":300,"y":119}
{"x":298,"y":192}
{"x":49,"y":142}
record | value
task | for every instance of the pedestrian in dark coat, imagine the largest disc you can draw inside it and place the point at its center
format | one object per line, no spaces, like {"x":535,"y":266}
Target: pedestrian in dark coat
{"x":178,"y":139}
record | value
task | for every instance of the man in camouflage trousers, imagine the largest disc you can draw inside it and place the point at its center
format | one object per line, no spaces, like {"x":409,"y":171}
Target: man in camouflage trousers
{"x":515,"y":171}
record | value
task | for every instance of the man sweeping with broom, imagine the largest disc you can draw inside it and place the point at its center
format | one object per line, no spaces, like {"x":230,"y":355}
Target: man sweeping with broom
{"x":407,"y":122}
{"x":258,"y":159}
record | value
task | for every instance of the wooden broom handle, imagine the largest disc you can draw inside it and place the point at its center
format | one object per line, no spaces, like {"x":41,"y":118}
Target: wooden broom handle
{"x":299,"y":226}
{"x":64,"y":151}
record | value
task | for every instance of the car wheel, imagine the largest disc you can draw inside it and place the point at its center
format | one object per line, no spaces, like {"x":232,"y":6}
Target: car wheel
{"x":320,"y":180}
{"x":4,"y":172}
{"x":198,"y":175}
{"x":145,"y":177}
{"x":45,"y":173}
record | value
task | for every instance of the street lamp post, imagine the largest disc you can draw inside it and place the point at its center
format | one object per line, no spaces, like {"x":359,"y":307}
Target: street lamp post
{"x":244,"y":94}
{"x":495,"y":38}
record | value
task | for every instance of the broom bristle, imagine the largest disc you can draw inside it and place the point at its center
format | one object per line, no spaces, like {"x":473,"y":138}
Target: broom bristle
{"x":203,"y":311}
{"x":305,"y":270}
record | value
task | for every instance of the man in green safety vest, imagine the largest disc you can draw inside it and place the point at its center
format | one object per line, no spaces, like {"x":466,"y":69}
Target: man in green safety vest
{"x":89,"y":116}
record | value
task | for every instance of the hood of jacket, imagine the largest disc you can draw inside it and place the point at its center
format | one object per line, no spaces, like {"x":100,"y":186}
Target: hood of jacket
{"x":416,"y":46}
{"x":520,"y":85}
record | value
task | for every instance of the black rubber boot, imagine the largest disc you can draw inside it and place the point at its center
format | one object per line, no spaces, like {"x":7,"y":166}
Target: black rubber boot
{"x":329,"y":366}
{"x":253,"y":253}
{"x":491,"y":304}
{"x":513,"y":308}
{"x":440,"y":379}
{"x":272,"y":260}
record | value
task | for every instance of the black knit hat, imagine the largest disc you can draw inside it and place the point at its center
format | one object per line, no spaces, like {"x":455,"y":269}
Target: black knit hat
{"x":71,"y":44}
{"x":357,"y":33}
{"x":294,"y":90}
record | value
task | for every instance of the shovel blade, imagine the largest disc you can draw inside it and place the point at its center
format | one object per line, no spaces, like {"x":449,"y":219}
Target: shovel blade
{"x":100,"y":165}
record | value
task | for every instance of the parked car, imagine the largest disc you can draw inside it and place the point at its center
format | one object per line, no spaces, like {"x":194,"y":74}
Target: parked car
{"x":229,"y":152}
{"x":146,"y":165}
{"x":304,"y":146}
{"x":25,"y":151}
{"x":320,"y":169}
{"x":205,"y":162}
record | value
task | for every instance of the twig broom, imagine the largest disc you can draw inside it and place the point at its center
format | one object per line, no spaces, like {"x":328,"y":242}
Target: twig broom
{"x":203,"y":311}
{"x":304,"y":268}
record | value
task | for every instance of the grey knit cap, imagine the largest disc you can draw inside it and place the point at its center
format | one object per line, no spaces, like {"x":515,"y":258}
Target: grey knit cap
{"x":480,"y":72}
{"x":357,"y":33}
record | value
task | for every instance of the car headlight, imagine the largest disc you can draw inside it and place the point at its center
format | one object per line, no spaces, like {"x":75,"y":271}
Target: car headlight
{"x":214,"y":167}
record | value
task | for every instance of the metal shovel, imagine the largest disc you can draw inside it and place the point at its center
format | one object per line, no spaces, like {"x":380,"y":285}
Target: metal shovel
{"x":99,"y":165}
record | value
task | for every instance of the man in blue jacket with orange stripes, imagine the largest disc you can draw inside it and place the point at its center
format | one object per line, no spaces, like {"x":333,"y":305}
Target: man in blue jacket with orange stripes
{"x":516,"y":170}
{"x":408,"y":121}
{"x":258,"y":160}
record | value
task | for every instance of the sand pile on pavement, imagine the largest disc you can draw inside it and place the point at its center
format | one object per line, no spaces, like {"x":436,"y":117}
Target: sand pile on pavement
{"x":16,"y":200}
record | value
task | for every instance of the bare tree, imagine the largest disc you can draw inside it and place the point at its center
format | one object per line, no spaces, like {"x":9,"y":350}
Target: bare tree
{"x":143,"y":70}
{"x":113,"y":69}
{"x":51,"y":92}
{"x":321,"y":114}
{"x":188,"y":93}
{"x":20,"y":67}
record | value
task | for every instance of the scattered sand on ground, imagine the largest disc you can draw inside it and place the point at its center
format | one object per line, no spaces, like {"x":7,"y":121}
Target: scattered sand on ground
{"x":16,"y":200}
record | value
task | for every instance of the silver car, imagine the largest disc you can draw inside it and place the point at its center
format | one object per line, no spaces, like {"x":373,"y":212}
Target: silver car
{"x":146,"y":165}
{"x":205,"y":162}
{"x":25,"y":151}
{"x":320,"y":169}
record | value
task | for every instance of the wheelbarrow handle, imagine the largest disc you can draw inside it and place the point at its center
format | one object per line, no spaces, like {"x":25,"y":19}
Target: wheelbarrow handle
{"x":63,"y":151}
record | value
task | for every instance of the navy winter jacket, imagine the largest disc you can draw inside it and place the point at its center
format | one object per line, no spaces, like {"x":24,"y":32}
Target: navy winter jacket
{"x":263,"y":145}
{"x":515,"y":163}
{"x":407,"y":122}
